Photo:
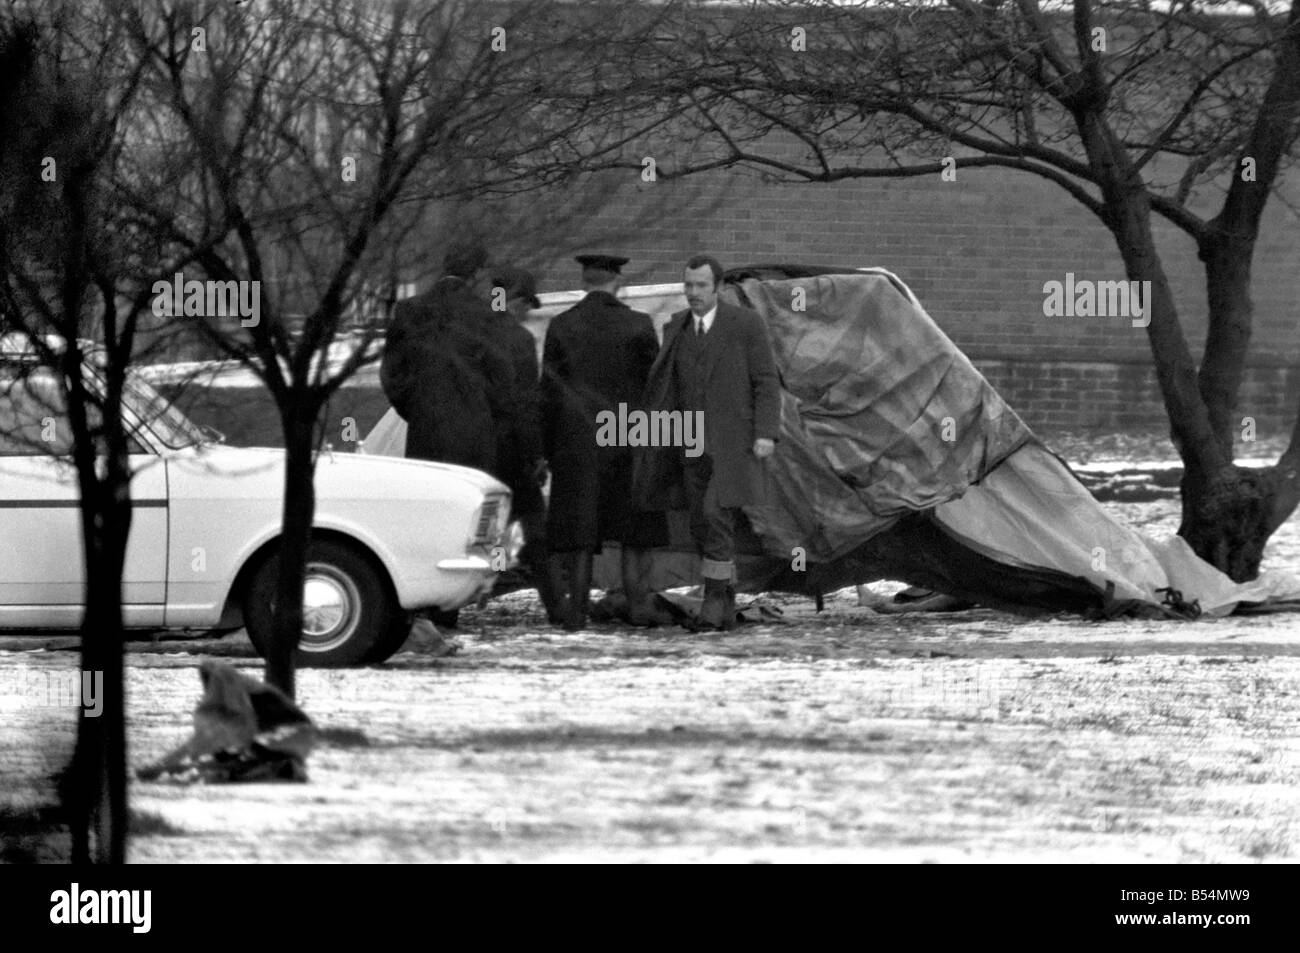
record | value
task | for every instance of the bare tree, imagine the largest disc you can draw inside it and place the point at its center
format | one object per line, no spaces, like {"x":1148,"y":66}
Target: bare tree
{"x":75,"y":278}
{"x":1103,"y":99}
{"x":323,"y":131}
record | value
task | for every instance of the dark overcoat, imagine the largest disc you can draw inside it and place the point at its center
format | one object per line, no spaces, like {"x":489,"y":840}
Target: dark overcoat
{"x":596,"y":356}
{"x":742,"y":403}
{"x":519,"y":445}
{"x":448,"y":381}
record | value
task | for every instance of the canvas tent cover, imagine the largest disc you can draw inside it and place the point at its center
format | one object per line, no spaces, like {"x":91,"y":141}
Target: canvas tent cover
{"x":898,"y":460}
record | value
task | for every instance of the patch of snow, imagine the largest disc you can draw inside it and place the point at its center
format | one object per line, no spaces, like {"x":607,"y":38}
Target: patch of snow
{"x":233,"y":374}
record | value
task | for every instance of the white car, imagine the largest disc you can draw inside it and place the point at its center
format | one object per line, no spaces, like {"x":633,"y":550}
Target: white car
{"x":390,"y":536}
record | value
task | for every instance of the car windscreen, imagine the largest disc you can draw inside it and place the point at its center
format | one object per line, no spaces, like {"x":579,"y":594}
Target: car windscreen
{"x":160,"y":415}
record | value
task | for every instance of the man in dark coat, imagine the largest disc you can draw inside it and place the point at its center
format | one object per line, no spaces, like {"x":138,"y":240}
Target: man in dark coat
{"x":444,"y":375}
{"x":519,"y":444}
{"x":597,"y":354}
{"x":716,"y":359}
{"x":520,"y":453}
{"x":448,"y":374}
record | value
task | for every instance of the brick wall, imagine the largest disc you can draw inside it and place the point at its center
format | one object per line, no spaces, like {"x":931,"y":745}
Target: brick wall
{"x":977,"y":252}
{"x":1124,"y":397}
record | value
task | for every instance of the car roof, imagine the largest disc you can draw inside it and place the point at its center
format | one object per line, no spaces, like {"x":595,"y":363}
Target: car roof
{"x":18,"y":347}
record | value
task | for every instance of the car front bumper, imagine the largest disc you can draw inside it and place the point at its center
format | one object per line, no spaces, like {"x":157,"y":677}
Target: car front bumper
{"x":459,"y":580}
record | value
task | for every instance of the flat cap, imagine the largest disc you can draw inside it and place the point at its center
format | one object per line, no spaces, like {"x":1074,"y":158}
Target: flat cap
{"x":464,"y":257}
{"x":518,"y":284}
{"x":610,"y":263}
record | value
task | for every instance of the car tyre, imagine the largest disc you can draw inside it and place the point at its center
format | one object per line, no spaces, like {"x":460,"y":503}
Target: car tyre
{"x":350,"y":612}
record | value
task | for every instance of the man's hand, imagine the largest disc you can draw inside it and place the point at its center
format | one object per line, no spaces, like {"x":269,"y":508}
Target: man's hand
{"x":764,"y":448}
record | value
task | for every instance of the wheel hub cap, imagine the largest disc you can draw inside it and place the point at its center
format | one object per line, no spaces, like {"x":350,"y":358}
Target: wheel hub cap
{"x":331,"y":607}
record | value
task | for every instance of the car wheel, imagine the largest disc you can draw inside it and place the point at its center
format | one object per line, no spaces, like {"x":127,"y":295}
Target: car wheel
{"x":350,"y":613}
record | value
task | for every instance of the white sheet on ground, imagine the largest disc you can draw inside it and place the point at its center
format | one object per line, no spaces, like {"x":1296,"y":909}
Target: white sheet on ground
{"x":1032,"y":512}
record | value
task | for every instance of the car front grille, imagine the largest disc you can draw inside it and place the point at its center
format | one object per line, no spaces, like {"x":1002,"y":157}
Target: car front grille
{"x":487,"y":530}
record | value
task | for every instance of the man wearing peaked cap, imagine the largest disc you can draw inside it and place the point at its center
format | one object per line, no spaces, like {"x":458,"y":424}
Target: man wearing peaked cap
{"x":611,"y":264}
{"x":598,"y":355}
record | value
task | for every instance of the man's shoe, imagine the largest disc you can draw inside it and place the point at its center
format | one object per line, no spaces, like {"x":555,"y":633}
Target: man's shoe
{"x":713,"y":611}
{"x":579,"y":590}
{"x":642,"y":616}
{"x":551,"y":588}
{"x":612,"y":608}
{"x":729,"y":608}
{"x":638,"y":596}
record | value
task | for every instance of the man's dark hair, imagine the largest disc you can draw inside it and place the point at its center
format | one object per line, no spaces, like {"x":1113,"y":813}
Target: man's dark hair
{"x":699,"y":261}
{"x":464,"y":258}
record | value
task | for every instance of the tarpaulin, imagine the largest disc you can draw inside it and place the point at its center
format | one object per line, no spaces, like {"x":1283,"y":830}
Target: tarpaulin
{"x":883,"y":415}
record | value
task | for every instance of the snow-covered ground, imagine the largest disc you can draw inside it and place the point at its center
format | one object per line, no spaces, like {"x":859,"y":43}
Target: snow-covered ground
{"x":849,"y":735}
{"x":845,"y":735}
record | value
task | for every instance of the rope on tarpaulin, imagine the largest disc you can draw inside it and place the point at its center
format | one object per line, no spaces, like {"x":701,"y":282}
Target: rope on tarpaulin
{"x":1173,"y":606}
{"x":1175,"y":602}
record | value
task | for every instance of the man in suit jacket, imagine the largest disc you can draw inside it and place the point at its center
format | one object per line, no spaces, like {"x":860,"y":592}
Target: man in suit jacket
{"x":717,"y":359}
{"x":597,"y":355}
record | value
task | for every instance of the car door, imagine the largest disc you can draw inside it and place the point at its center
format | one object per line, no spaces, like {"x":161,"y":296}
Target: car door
{"x":41,"y":558}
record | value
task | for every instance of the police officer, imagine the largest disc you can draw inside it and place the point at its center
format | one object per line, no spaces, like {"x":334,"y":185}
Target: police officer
{"x":598,"y":353}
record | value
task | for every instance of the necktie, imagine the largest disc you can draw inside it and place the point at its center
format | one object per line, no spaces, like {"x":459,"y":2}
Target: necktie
{"x":699,"y":327}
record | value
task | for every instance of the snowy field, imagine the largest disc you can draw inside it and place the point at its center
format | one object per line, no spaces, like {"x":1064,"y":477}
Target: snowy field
{"x":849,"y":735}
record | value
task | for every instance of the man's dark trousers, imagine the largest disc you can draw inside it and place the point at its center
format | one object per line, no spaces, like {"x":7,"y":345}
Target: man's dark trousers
{"x":713,"y":527}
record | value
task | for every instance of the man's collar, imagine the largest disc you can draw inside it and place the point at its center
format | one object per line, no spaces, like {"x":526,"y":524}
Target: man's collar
{"x":707,"y":317}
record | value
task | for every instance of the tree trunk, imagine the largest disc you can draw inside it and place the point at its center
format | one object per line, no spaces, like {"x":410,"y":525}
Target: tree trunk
{"x":299,"y":510}
{"x":1229,"y":512}
{"x":1228,"y":516}
{"x":1227,"y":276}
{"x":95,"y":789}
